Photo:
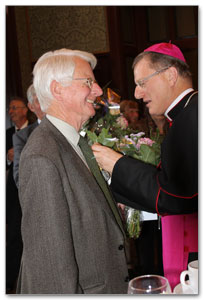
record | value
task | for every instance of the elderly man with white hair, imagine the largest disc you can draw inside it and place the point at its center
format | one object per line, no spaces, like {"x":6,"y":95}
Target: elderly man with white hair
{"x":73,"y":239}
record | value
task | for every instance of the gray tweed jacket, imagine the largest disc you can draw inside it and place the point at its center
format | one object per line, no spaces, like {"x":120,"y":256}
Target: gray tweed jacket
{"x":72,"y":243}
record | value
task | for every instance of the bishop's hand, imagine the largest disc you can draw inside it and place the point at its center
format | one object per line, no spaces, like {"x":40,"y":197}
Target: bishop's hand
{"x":106,"y":157}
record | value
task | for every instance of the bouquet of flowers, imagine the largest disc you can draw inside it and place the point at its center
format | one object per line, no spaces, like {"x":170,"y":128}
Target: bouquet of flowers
{"x":147,"y":150}
{"x":112,"y":130}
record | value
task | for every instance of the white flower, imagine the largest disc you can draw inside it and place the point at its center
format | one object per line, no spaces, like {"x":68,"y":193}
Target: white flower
{"x":137,"y":135}
{"x":112,"y":139}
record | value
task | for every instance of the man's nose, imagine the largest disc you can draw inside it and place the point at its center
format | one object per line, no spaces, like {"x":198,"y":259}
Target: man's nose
{"x":139,"y":92}
{"x":96,"y":89}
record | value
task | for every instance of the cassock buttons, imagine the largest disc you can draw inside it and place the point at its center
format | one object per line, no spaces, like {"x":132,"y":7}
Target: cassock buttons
{"x":121,"y":247}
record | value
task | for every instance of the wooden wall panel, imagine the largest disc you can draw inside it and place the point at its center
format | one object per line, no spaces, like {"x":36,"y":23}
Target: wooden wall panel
{"x":116,"y":34}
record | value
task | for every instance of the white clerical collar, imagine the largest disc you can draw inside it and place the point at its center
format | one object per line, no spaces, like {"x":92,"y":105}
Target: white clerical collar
{"x":67,"y":130}
{"x":176,"y":101}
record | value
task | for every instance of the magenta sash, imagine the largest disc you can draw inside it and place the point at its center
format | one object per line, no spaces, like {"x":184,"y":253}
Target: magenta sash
{"x":179,"y":237}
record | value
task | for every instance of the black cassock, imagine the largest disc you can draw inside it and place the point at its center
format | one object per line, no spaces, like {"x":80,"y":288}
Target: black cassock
{"x":171,"y":188}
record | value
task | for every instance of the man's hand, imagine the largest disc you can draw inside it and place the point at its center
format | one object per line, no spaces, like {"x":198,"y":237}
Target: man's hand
{"x":10,"y":154}
{"x":106,"y":157}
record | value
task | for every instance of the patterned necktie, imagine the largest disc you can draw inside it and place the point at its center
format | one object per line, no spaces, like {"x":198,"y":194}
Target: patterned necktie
{"x":91,"y":161}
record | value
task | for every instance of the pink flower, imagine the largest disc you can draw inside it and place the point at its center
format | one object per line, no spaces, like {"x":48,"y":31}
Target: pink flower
{"x":145,"y":141}
{"x":122,"y":122}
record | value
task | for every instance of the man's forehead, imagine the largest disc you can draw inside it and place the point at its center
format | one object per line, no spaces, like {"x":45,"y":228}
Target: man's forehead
{"x":79,"y":60}
{"x":16,"y":101}
{"x":144,"y":62}
{"x":143,"y":68}
{"x":82,"y":68}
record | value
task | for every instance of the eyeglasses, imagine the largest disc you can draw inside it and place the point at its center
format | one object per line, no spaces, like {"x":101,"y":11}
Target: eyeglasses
{"x":88,"y":81}
{"x":15,"y":107}
{"x":141,"y":82}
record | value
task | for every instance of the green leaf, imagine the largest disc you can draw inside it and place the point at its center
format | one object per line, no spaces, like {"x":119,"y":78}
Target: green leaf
{"x":104,"y":137}
{"x":148,"y":154}
{"x":100,"y":122}
{"x":92,"y":137}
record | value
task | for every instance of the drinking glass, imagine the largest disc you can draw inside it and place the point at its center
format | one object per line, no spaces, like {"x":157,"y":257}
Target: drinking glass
{"x":149,"y":284}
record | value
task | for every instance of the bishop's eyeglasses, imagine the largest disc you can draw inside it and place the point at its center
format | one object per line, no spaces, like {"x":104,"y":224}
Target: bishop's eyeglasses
{"x":141,"y":82}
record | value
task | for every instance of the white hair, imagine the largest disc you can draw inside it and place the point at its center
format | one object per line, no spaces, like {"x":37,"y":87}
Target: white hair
{"x":56,"y":65}
{"x":31,"y":93}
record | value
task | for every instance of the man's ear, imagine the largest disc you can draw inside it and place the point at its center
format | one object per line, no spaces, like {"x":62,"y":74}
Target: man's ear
{"x":56,"y":89}
{"x":172,"y":74}
{"x":30,"y":106}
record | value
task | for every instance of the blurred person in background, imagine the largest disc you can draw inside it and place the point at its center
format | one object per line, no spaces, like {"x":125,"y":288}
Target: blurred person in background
{"x":18,"y":114}
{"x":20,"y":137}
